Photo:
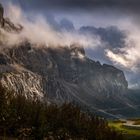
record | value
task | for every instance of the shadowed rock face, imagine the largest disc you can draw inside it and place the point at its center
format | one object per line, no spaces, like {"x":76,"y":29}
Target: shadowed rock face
{"x":1,"y":16}
{"x":62,"y":74}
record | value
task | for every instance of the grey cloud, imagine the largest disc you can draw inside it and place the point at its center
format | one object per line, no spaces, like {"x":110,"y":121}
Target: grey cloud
{"x":112,"y":35}
{"x":130,"y":5}
{"x":84,"y":3}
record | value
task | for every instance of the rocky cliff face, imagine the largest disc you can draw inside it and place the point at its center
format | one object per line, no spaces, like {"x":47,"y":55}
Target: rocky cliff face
{"x":61,"y":74}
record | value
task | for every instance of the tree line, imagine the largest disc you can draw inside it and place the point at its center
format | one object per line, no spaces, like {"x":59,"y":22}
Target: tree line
{"x":32,"y":119}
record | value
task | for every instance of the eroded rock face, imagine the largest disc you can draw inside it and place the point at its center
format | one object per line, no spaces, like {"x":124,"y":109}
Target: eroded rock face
{"x":24,"y":82}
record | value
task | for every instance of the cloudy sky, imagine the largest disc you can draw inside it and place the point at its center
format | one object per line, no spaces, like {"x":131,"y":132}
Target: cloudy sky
{"x":98,"y":12}
{"x":124,"y":14}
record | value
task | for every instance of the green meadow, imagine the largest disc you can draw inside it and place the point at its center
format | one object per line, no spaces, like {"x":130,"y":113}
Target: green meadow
{"x":129,"y":133}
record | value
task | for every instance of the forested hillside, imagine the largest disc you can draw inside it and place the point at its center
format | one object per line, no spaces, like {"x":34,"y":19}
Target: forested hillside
{"x":31,"y":119}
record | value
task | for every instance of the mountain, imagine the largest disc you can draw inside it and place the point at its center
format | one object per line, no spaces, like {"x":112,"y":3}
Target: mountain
{"x":63,"y":74}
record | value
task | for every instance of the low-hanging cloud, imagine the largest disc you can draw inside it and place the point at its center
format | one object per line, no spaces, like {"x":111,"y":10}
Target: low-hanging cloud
{"x":38,"y":31}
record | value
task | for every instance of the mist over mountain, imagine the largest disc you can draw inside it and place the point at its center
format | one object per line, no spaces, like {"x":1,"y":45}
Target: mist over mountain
{"x":57,"y":70}
{"x":69,"y":69}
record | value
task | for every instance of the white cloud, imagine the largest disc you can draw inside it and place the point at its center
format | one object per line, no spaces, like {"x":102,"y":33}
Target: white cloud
{"x":129,"y":55}
{"x":38,"y":31}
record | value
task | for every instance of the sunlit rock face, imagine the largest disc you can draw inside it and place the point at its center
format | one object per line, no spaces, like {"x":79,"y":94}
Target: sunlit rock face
{"x":24,"y":82}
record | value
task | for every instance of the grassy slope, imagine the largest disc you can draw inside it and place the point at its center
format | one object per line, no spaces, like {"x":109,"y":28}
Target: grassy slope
{"x":131,"y":134}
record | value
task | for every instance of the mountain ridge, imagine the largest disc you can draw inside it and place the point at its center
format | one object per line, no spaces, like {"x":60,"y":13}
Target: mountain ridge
{"x":62,"y":74}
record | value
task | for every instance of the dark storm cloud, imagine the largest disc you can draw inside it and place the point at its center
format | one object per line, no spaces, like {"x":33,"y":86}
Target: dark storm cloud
{"x":130,"y":5}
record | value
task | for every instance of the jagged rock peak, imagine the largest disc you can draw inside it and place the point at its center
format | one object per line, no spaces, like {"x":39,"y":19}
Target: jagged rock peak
{"x":6,"y":23}
{"x":77,"y":49}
